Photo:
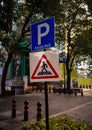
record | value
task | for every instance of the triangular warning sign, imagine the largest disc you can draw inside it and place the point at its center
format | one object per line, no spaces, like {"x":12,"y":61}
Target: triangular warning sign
{"x":44,"y":69}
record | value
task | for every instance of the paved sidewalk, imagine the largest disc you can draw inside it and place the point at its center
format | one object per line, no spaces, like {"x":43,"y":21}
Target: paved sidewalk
{"x":76,"y":106}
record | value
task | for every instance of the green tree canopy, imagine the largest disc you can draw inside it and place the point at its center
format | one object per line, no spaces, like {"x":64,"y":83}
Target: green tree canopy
{"x":75,"y":19}
{"x":6,"y":14}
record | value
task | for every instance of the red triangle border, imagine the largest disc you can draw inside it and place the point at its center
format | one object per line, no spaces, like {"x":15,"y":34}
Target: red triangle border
{"x":43,"y":77}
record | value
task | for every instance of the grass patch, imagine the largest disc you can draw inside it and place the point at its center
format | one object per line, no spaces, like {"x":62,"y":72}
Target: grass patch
{"x":61,"y":123}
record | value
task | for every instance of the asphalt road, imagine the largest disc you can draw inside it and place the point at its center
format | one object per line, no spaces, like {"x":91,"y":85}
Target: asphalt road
{"x":78,"y":107}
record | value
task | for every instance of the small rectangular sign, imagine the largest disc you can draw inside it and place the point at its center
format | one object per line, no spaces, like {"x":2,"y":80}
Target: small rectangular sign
{"x":44,"y":66}
{"x":43,"y":34}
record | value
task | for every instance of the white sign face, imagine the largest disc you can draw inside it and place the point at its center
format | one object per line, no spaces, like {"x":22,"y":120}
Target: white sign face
{"x":44,"y":66}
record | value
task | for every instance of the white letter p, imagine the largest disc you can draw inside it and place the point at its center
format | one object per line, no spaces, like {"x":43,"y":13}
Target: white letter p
{"x":40,"y":35}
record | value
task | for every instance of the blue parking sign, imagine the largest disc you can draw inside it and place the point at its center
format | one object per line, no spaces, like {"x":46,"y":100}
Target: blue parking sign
{"x":43,"y":34}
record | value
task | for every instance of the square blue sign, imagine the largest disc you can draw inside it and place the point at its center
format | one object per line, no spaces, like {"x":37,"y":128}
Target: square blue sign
{"x":43,"y":34}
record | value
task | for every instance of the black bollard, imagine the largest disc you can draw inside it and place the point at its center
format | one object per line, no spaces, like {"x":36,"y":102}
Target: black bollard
{"x":26,"y":110}
{"x":39,"y":115}
{"x":13,"y":108}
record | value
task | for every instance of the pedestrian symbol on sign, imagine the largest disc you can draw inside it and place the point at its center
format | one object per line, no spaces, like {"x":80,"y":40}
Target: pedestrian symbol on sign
{"x":44,"y":70}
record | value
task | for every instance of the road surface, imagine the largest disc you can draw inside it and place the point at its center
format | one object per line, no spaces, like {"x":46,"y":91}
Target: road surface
{"x":78,"y":107}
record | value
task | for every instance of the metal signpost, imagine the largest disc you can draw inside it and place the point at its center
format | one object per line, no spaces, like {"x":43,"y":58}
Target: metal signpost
{"x":45,"y":70}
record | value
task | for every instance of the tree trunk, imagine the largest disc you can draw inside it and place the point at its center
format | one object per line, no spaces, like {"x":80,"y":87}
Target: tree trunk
{"x":68,"y":80}
{"x":5,"y":70}
{"x":68,"y":77}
